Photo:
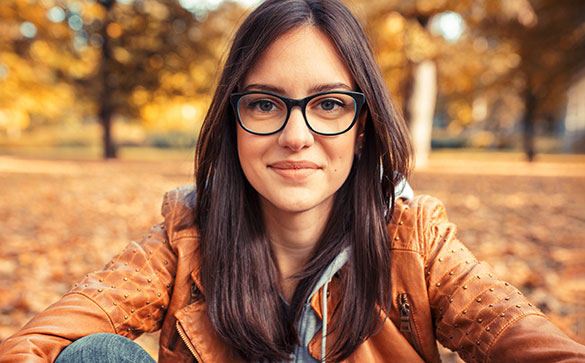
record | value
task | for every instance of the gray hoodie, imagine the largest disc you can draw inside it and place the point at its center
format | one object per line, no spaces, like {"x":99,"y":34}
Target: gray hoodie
{"x":309,"y":323}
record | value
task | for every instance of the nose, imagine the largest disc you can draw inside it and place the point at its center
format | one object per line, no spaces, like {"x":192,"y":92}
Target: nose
{"x":296,"y":135}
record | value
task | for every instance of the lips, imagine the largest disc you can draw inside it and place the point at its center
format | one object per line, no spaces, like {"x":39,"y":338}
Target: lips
{"x":288,"y":164}
{"x":294,"y":170}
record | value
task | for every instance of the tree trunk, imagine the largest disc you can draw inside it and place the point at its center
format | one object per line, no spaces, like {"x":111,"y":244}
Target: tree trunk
{"x":528,"y":124}
{"x":421,"y":108}
{"x":106,"y":108}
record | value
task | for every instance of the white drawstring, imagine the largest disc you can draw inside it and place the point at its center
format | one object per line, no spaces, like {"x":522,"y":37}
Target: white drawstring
{"x":322,"y":284}
{"x":324,"y":329}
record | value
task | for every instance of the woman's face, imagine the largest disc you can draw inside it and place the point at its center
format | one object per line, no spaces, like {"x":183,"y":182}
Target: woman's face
{"x":296,"y":170}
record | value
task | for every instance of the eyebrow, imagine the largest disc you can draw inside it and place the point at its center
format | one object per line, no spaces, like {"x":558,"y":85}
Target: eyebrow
{"x":315,"y":89}
{"x":329,"y":87}
{"x":265,"y":87}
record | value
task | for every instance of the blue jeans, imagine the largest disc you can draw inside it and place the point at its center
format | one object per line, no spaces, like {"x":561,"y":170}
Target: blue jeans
{"x":104,"y":348}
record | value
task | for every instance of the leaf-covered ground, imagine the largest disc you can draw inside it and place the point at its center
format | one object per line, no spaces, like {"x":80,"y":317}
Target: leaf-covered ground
{"x":62,"y":219}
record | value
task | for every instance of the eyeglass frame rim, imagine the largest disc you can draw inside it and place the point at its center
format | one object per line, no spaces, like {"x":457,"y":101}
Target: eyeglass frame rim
{"x":359,"y":98}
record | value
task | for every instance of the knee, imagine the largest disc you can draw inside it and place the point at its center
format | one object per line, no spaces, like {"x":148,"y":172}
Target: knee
{"x":104,"y":347}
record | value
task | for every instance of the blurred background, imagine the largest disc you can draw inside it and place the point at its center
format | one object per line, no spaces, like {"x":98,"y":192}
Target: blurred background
{"x":99,"y":77}
{"x":101,"y":102}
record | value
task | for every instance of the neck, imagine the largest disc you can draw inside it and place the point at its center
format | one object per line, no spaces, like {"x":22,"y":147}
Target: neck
{"x":293,"y":237}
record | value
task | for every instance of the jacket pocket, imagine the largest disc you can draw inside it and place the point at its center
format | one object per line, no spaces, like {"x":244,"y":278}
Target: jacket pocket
{"x":407,"y":325}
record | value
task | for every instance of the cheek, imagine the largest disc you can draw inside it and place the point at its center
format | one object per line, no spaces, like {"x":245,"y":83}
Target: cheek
{"x":250,"y":151}
{"x":342,"y":152}
{"x":241,"y":146}
{"x":244,"y":151}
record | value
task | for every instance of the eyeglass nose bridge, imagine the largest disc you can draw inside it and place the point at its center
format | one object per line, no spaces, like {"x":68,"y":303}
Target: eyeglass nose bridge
{"x":301,"y":104}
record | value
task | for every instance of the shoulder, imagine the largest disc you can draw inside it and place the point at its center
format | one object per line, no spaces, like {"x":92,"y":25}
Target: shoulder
{"x":417,"y":222}
{"x":178,"y":210}
{"x":422,"y":207}
{"x":182,"y":196}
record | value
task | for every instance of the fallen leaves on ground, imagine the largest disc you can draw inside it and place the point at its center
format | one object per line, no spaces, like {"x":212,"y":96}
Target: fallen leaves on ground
{"x":62,"y":219}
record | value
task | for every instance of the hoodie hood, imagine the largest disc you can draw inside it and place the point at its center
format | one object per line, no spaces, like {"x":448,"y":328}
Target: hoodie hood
{"x":310,"y":323}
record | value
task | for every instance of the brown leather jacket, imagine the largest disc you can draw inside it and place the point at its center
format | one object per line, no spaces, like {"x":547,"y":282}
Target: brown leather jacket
{"x":440,"y":293}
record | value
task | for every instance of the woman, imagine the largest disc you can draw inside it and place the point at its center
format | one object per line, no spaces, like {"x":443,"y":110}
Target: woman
{"x":300,"y":244}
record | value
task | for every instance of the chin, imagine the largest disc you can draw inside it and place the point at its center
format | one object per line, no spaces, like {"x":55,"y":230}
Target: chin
{"x":296,"y":204}
{"x":298,"y":207}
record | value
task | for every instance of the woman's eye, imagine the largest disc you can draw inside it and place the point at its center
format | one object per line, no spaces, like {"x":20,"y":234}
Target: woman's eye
{"x":330,"y":104}
{"x":263,"y":105}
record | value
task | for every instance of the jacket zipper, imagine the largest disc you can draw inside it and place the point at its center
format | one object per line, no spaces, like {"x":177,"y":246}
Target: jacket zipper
{"x":406,"y":324}
{"x":188,"y":343}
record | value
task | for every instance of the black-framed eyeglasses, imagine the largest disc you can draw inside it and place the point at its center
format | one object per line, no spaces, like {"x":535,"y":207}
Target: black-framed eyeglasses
{"x":326,"y":113}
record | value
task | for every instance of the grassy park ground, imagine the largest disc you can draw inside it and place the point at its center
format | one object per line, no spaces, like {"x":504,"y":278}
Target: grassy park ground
{"x":62,"y":217}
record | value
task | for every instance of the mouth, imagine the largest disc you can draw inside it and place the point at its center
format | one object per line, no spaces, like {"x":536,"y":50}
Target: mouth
{"x":294,"y":170}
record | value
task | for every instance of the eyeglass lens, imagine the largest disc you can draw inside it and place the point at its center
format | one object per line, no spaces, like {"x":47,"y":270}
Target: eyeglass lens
{"x":328,"y":114}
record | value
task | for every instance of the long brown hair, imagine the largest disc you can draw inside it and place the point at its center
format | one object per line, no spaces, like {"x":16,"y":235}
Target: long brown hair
{"x":238,"y":273}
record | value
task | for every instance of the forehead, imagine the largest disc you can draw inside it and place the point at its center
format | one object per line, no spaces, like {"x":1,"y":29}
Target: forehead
{"x":299,"y":60}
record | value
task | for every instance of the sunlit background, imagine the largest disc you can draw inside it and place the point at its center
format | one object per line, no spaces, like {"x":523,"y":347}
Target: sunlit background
{"x":483,"y":84}
{"x":95,"y":78}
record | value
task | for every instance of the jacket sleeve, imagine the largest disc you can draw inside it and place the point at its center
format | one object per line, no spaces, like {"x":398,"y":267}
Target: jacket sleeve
{"x":477,"y":315}
{"x":128,"y":297}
